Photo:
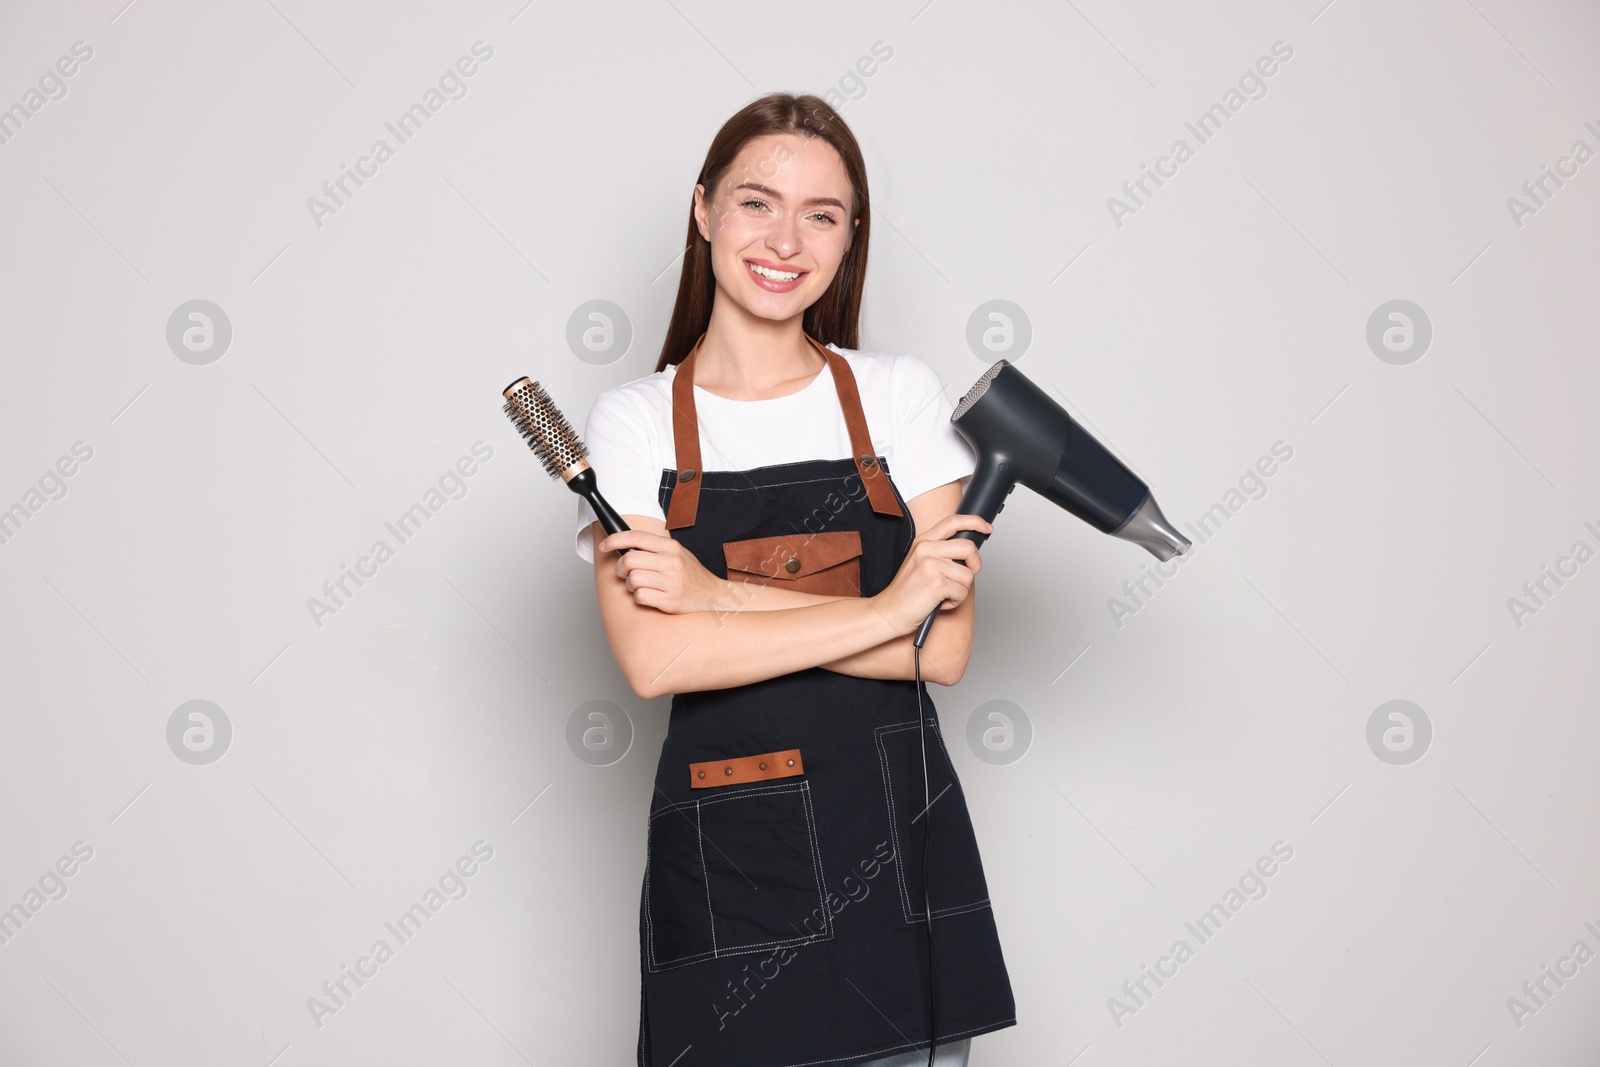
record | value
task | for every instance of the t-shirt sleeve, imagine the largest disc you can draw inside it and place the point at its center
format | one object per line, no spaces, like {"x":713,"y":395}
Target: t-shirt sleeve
{"x":623,"y":455}
{"x":928,"y":449}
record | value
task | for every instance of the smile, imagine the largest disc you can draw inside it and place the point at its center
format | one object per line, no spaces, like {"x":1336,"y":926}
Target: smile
{"x":775,"y":280}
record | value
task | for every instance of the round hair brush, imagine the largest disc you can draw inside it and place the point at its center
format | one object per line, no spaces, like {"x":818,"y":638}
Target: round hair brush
{"x":558,"y":446}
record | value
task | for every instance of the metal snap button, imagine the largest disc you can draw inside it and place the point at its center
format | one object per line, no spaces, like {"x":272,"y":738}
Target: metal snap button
{"x":727,"y":770}
{"x":791,"y":763}
{"x":686,"y":475}
{"x":702,"y":774}
{"x":763,"y":765}
{"x":868,"y":460}
{"x":792,"y":564}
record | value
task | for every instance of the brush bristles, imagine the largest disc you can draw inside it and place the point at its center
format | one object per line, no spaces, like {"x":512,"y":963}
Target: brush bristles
{"x":542,"y":425}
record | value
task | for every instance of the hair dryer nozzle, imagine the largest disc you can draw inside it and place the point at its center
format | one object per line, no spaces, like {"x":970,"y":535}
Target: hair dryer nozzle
{"x":1148,"y":527}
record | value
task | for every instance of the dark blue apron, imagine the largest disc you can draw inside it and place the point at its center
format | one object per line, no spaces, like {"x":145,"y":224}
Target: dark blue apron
{"x":781,"y":919}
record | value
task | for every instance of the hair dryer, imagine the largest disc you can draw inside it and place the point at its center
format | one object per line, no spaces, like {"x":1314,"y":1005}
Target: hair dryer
{"x":1021,"y":435}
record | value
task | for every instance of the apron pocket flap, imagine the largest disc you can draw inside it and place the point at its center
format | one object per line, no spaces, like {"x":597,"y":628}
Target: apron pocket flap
{"x":793,"y":556}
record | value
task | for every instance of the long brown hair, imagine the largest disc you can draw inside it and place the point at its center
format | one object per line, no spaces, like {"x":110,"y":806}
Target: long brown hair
{"x":835,"y":315}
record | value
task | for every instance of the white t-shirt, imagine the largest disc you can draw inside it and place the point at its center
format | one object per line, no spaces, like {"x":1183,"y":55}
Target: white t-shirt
{"x":630,"y":442}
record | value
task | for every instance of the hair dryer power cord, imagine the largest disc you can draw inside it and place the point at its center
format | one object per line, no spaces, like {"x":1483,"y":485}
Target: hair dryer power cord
{"x":927,"y":839}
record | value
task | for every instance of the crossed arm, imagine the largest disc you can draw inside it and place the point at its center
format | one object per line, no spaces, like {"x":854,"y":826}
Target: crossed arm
{"x":750,"y":631}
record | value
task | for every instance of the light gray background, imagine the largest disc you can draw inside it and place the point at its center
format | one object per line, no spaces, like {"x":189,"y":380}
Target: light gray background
{"x":431,"y":711}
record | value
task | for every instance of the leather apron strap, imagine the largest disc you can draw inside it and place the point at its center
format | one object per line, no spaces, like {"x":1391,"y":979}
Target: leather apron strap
{"x":686,"y":439}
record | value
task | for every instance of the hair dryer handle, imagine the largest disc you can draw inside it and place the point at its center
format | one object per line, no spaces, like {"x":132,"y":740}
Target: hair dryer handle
{"x":986,"y":494}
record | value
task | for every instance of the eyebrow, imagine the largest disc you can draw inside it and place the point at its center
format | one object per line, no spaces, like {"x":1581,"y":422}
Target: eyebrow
{"x":779,"y":196}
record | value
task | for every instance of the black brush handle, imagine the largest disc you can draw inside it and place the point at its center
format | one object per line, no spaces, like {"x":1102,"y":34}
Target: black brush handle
{"x":587,"y":486}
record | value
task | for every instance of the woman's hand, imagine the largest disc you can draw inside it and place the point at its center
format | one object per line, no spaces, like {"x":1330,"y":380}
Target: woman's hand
{"x":660,"y":573}
{"x":938,"y":571}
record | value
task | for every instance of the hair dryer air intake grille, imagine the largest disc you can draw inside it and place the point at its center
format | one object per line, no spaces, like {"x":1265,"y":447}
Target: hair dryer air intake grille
{"x":979,"y":387}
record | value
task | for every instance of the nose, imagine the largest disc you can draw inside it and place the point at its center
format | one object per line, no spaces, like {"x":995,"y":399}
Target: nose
{"x":784,"y":237}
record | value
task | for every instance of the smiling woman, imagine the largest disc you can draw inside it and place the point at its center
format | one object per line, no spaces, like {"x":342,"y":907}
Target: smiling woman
{"x":774,"y":577}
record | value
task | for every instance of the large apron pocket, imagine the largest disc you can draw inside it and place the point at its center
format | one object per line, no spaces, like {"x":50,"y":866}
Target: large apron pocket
{"x":732,"y":873}
{"x":955,"y":867}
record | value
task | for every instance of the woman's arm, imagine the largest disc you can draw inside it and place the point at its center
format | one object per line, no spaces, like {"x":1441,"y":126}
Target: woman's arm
{"x":949,"y":644}
{"x":662,"y":652}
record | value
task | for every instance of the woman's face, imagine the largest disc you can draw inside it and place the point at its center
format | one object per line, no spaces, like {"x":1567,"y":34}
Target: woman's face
{"x":779,"y":224}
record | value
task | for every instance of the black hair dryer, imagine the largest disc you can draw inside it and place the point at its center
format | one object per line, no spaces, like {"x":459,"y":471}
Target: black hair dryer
{"x":1021,"y":435}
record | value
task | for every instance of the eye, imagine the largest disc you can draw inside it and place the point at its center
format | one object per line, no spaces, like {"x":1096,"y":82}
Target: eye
{"x":823,"y":215}
{"x":753,"y":200}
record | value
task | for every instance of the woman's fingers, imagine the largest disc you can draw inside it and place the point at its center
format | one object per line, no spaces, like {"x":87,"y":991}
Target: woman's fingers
{"x":950,"y":567}
{"x":645,"y":539}
{"x":640,"y":568}
{"x":957,"y":573}
{"x":950,"y":524}
{"x":955,"y":548}
{"x":654,"y":572}
{"x":644,"y":568}
{"x":955,"y":583}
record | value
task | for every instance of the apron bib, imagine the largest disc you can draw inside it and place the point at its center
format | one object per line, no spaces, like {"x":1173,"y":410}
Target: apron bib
{"x":781,"y":918}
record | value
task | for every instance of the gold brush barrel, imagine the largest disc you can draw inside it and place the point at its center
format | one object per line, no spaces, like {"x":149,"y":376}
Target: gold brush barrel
{"x":546,"y":429}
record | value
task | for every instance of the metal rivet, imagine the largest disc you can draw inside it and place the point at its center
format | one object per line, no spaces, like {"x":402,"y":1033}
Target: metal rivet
{"x":702,"y":774}
{"x":791,"y":565}
{"x":686,"y":475}
{"x":763,"y":765}
{"x":791,"y":763}
{"x":868,"y":460}
{"x":727,"y":770}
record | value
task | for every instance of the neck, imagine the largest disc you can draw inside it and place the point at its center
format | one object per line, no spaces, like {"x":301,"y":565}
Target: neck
{"x":745,"y":357}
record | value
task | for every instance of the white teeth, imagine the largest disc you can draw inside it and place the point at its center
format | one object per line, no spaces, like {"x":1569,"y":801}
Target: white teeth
{"x":775,"y":275}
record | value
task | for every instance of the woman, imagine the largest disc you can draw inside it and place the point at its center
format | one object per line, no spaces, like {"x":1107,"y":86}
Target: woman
{"x":773,"y":582}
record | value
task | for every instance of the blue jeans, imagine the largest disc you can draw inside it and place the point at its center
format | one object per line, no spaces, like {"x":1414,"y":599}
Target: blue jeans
{"x":953,"y":1054}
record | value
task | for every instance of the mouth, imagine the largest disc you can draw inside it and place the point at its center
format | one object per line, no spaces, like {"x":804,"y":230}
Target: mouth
{"x":773,"y":278}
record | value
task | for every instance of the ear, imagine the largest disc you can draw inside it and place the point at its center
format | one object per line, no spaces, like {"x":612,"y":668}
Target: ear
{"x":700,"y":212}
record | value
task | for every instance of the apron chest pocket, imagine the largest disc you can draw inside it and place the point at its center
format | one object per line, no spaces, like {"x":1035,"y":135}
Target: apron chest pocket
{"x":955,"y":868}
{"x":732,"y":873}
{"x":828,"y":563}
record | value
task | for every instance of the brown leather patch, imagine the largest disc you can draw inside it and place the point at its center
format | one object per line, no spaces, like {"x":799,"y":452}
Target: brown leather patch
{"x":685,"y":502}
{"x":827,"y":564}
{"x":745,"y":769}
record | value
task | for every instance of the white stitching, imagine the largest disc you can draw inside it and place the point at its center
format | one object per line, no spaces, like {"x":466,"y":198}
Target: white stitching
{"x":954,"y":909}
{"x":666,"y":476}
{"x":663,"y":493}
{"x":768,"y":485}
{"x":705,"y":877}
{"x":656,"y":966}
{"x":649,"y":933}
{"x":982,"y":1028}
{"x":755,"y":790}
{"x":910,"y":913}
{"x":816,"y":866}
{"x":894,"y":822}
{"x":775,"y":466}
